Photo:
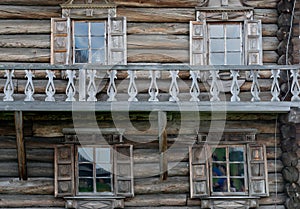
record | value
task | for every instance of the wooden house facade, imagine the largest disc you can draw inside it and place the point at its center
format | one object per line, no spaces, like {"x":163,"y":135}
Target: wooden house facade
{"x":157,"y":104}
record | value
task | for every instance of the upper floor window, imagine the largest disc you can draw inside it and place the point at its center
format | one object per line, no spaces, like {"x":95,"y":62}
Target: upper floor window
{"x":224,"y":35}
{"x":89,"y":39}
{"x":88,"y":34}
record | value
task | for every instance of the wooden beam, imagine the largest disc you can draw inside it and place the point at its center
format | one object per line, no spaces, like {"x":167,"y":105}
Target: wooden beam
{"x":163,"y":145}
{"x":22,"y":167}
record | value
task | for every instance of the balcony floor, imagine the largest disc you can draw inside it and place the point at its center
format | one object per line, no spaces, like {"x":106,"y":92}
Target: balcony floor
{"x":235,"y":107}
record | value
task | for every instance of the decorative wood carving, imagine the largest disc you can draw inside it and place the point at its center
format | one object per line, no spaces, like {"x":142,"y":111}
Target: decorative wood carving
{"x":9,"y":86}
{"x":70,"y":90}
{"x":132,"y":89}
{"x":153,"y":89}
{"x":295,"y":88}
{"x":195,"y":90}
{"x":174,"y":89}
{"x":275,"y":89}
{"x":91,"y":89}
{"x":50,"y":88}
{"x":235,"y":88}
{"x":255,"y":89}
{"x":112,"y":89}
{"x":29,"y":88}
{"x":214,"y":89}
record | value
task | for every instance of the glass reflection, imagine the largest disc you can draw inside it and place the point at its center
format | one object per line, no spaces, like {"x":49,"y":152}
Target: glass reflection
{"x":81,"y":43}
{"x":219,"y":154}
{"x":236,"y":154}
{"x":234,"y":58}
{"x":81,"y":56}
{"x":217,"y":45}
{"x":103,"y":170}
{"x":85,"y":154}
{"x":103,"y":185}
{"x":97,"y":42}
{"x":236,"y":169}
{"x":86,"y":170}
{"x":81,"y":28}
{"x":217,"y":59}
{"x":103,"y":155}
{"x":86,"y":185}
{"x":233,"y":31}
{"x":237,"y":185}
{"x":216,"y":31}
{"x":233,"y":45}
{"x":98,"y":28}
{"x":220,"y":185}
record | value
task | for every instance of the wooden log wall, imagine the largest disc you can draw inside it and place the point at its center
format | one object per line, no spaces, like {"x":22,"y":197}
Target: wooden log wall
{"x":158,"y":32}
{"x":45,"y":130}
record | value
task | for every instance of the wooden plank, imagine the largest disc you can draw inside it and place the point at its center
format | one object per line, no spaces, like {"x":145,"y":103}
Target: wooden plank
{"x":157,"y":28}
{"x":157,"y":200}
{"x":24,"y":55}
{"x":155,"y":3}
{"x":267,"y":16}
{"x":8,"y":201}
{"x":33,"y":2}
{"x":261,"y":3}
{"x":163,"y":144}
{"x":24,"y":26}
{"x":28,"y":12}
{"x":22,"y":162}
{"x":25,"y":41}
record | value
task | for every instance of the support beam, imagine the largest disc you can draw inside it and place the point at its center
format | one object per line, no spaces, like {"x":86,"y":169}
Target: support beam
{"x":163,"y":144}
{"x":20,"y":145}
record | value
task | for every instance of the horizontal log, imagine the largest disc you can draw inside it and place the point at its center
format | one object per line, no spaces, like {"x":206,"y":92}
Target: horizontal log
{"x":29,"y":12}
{"x":172,"y":207}
{"x":25,"y":26}
{"x":33,"y":2}
{"x":157,"y":200}
{"x":269,"y":30}
{"x":40,"y":170}
{"x":155,"y":185}
{"x":25,"y":41}
{"x":270,"y":43}
{"x":268,"y":16}
{"x":30,"y":201}
{"x":9,"y":170}
{"x":8,"y":155}
{"x":261,"y":3}
{"x":157,"y":28}
{"x":24,"y":55}
{"x":154,"y":3}
{"x":41,"y":186}
{"x":274,"y":198}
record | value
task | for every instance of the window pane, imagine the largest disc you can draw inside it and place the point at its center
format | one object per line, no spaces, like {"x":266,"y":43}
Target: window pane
{"x":103,"y":170}
{"x":81,"y":28}
{"x":233,"y":31}
{"x":219,"y":154}
{"x":103,"y":185}
{"x":98,"y":42}
{"x":85,"y":185}
{"x":86,"y":170}
{"x":217,"y":59}
{"x":220,"y":185}
{"x":234,"y":58}
{"x":237,"y":169}
{"x":85,"y":154}
{"x":103,"y":155}
{"x":233,"y":45}
{"x":216,"y":31}
{"x":98,"y":28}
{"x":236,"y":154}
{"x":219,"y":169}
{"x":98,"y":56}
{"x":237,"y":185}
{"x":81,"y":43}
{"x":81,"y":56}
{"x":217,"y":45}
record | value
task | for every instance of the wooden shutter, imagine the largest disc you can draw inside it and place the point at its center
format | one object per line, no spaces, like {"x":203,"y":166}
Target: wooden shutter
{"x":198,"y":46}
{"x":117,"y":41}
{"x":253,"y":45}
{"x":64,"y":170}
{"x":199,"y":181}
{"x":123,"y":170}
{"x":60,"y":40}
{"x":257,"y":169}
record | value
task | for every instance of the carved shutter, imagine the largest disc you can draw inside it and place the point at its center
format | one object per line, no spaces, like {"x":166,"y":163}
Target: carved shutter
{"x":198,"y":43}
{"x":64,"y":170}
{"x":257,"y":169}
{"x":117,"y":41}
{"x":123,"y":170}
{"x":199,"y":183}
{"x":253,"y":48}
{"x":60,"y":40}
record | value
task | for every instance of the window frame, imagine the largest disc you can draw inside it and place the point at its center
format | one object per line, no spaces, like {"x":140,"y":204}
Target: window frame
{"x":90,"y":35}
{"x":77,"y":177}
{"x":228,"y":176}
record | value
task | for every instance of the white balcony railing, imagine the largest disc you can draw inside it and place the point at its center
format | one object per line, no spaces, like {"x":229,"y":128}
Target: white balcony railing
{"x":141,"y":83}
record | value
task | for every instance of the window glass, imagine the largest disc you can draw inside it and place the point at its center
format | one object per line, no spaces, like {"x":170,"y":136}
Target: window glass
{"x":94,"y":170}
{"x":216,"y":31}
{"x":81,"y":29}
{"x":217,"y":58}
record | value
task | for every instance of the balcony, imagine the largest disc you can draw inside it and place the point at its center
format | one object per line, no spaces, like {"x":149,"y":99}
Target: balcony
{"x":44,"y":87}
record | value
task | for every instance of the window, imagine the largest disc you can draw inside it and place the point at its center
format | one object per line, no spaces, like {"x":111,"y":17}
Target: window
{"x":89,"y":39}
{"x":100,"y":170}
{"x":94,"y":170}
{"x":228,"y":170}
{"x":225,"y":44}
{"x":88,"y":34}
{"x":225,"y":35}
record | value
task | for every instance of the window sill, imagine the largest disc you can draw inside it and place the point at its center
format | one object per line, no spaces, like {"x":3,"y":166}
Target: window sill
{"x":95,"y":202}
{"x":230,"y":202}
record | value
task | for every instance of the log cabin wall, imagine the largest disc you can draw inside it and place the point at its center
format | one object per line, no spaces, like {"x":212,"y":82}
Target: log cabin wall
{"x":158,"y":32}
{"x":43,"y":130}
